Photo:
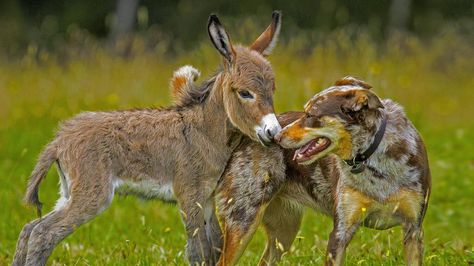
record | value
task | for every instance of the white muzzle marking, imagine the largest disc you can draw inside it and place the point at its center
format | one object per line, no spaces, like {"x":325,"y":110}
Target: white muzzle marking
{"x":268,"y":128}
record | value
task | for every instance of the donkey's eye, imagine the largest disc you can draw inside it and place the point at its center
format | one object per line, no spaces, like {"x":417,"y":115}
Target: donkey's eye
{"x":245,"y":94}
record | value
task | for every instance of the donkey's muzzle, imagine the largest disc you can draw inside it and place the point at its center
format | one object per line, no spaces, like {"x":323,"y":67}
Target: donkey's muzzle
{"x":268,"y":129}
{"x":271,"y":132}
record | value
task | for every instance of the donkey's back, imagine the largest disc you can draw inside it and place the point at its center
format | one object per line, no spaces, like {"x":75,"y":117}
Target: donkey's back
{"x":115,"y":146}
{"x":132,"y":145}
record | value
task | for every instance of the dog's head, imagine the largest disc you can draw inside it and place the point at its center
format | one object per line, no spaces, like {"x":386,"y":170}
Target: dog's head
{"x":340,"y":120}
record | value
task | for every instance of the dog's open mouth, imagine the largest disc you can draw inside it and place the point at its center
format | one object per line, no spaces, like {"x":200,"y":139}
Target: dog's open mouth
{"x":311,"y":148}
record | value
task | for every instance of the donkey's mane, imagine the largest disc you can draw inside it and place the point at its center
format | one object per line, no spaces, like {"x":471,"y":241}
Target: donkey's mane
{"x":197,"y":94}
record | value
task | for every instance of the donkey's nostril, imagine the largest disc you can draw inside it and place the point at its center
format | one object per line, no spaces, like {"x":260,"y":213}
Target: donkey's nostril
{"x":269,"y":126}
{"x":269,"y":133}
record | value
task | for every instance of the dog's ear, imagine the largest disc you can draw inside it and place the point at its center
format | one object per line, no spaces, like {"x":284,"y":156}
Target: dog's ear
{"x":362,"y":100}
{"x":363,"y":97}
{"x":268,"y":39}
{"x":352,"y":81}
{"x":370,"y":100}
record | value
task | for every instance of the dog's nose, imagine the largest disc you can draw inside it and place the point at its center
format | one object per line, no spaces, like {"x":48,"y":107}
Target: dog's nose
{"x":277,"y":137}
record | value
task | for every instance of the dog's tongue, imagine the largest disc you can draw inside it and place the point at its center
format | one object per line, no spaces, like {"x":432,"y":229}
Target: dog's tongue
{"x":312,"y":147}
{"x":304,"y":149}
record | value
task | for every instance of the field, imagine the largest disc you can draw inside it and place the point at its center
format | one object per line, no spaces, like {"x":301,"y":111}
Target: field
{"x":433,"y":80}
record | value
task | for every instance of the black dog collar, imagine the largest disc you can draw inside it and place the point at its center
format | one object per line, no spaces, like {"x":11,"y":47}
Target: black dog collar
{"x":357,"y":163}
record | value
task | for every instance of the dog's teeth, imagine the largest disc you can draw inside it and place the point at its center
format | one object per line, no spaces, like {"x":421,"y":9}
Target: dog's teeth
{"x":295,"y":156}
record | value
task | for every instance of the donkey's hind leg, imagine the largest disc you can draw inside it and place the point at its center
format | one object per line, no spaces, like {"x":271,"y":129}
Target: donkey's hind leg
{"x":22,"y":244}
{"x":88,"y":198}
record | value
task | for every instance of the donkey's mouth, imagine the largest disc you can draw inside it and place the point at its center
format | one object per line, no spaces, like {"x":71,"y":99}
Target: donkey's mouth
{"x":263,"y":140}
{"x":311,"y":148}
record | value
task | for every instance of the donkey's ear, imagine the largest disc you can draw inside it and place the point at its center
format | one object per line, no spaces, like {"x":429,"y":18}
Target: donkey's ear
{"x":268,"y":39}
{"x":220,"y":39}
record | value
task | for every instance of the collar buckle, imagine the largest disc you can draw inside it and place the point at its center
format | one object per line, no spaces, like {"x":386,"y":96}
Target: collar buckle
{"x":358,"y":168}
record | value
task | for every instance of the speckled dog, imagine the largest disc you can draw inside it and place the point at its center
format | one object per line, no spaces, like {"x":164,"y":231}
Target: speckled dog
{"x":358,"y":159}
{"x":380,"y":175}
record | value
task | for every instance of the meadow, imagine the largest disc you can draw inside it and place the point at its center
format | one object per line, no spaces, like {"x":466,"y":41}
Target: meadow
{"x":432,"y":79}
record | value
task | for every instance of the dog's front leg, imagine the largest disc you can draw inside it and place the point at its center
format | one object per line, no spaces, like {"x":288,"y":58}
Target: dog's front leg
{"x":241,"y":203}
{"x":282,"y":220}
{"x":340,"y":237}
{"x":349,"y":212}
{"x":253,"y":177}
{"x":413,"y":244}
{"x":239,"y":224}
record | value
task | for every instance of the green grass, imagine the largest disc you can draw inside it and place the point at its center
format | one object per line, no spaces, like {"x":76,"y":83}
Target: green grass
{"x":432,"y":80}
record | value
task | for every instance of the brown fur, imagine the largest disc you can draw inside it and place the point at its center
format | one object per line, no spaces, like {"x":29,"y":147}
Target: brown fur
{"x":350,"y":81}
{"x":173,"y":154}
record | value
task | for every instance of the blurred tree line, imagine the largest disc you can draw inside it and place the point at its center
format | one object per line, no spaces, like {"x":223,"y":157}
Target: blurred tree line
{"x":52,"y":23}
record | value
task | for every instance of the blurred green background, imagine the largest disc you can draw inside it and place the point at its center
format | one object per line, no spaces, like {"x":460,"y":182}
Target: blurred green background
{"x":58,"y":58}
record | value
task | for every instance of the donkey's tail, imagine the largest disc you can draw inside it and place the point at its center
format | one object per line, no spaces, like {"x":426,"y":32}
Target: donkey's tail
{"x":46,"y":159}
{"x":182,"y":84}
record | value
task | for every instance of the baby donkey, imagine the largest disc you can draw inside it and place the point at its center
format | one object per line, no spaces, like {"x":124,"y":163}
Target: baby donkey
{"x":173,"y":154}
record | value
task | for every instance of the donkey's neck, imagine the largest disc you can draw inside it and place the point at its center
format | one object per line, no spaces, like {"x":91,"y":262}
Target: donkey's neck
{"x":211,"y":121}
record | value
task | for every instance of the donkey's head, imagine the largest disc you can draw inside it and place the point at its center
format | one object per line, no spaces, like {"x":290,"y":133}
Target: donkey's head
{"x":247,"y":80}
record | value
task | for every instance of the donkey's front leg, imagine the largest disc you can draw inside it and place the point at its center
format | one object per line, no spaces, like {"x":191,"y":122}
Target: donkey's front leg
{"x":192,"y":199}
{"x":198,"y":248}
{"x":213,"y":230}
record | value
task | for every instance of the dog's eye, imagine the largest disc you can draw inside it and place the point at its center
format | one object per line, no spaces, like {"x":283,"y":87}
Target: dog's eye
{"x":245,"y":94}
{"x":350,"y":113}
{"x":311,"y":121}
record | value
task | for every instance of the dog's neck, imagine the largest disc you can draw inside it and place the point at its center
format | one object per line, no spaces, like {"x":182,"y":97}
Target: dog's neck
{"x":358,"y":160}
{"x":386,"y":169}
